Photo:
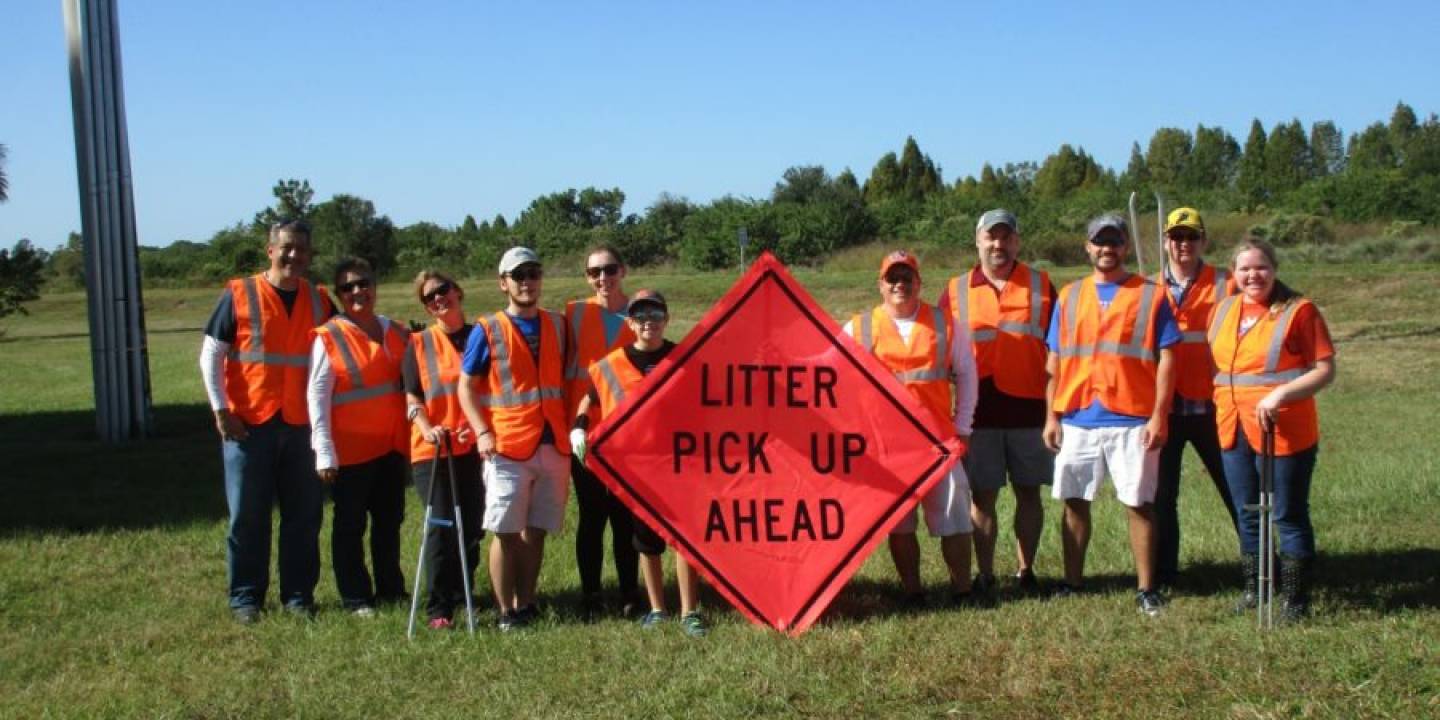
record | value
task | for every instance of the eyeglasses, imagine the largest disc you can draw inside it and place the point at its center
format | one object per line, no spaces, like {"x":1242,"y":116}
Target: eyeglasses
{"x":611,"y":269}
{"x":649,"y":315}
{"x":352,"y":286}
{"x":526,"y":274}
{"x":440,"y":291}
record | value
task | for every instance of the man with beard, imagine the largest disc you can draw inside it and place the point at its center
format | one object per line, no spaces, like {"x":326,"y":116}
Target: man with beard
{"x":1006,"y":304}
{"x":253,"y":362}
{"x":512,"y":390}
{"x":1111,"y":381}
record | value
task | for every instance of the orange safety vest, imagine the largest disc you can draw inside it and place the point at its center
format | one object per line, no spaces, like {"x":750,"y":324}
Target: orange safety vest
{"x":521,"y":398}
{"x":587,"y":332}
{"x":1108,"y":356}
{"x":267,"y":367}
{"x":367,"y":417}
{"x":1007,"y":330}
{"x":924,"y":364}
{"x":1193,"y":367}
{"x":613,"y":376}
{"x":1248,"y":367}
{"x":439,"y":363}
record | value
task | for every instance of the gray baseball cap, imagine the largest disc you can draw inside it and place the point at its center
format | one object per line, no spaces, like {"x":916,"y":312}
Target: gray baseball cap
{"x":515,"y":257}
{"x":1106,"y":222}
{"x":998,"y":216}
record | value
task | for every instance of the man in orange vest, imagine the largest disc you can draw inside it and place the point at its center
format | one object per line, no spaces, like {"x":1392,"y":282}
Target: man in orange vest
{"x":931,"y":356}
{"x":512,"y":389}
{"x":1111,"y":371}
{"x":1194,"y":288}
{"x":253,"y":361}
{"x":1006,"y":305}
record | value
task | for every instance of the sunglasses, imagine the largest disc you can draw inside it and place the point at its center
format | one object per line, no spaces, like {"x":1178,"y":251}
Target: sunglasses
{"x":895,"y":278}
{"x":1179,"y":237}
{"x":650,"y":315}
{"x":440,"y":291}
{"x":1108,"y":241}
{"x":525,"y":274}
{"x":611,"y":269}
{"x":361,"y":284}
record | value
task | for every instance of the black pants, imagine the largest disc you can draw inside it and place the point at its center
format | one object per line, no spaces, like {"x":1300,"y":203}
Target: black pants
{"x":597,"y":506}
{"x":444,"y":588}
{"x":373,"y":490}
{"x":1199,"y":431}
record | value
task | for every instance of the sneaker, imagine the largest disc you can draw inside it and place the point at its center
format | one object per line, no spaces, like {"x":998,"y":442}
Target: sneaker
{"x":509,"y":621}
{"x":304,"y":612}
{"x":441,"y":623}
{"x":1151,"y":602}
{"x":693,"y":623}
{"x":1025,"y":581}
{"x":1064,"y":590}
{"x":363,"y":611}
{"x":984,"y":584}
{"x":653,"y":619}
{"x":528,"y":614}
{"x":246,"y":615}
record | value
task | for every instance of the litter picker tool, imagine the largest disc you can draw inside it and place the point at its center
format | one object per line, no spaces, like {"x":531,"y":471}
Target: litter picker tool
{"x":1265,"y":508}
{"x":1135,"y":233}
{"x":432,"y":520}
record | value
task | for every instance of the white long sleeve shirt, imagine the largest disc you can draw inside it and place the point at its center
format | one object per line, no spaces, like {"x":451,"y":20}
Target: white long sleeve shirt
{"x":319,"y":394}
{"x":212,"y":371}
{"x":962,"y":370}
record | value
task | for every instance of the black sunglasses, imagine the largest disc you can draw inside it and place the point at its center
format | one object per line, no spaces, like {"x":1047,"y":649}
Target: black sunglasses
{"x":611,"y":269}
{"x":653,"y":315}
{"x":352,"y":286}
{"x":440,"y":290}
{"x":523,"y":274}
{"x":1108,"y":241}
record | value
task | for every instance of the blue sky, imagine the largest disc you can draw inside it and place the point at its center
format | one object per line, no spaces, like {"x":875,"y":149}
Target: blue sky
{"x":434,"y":110}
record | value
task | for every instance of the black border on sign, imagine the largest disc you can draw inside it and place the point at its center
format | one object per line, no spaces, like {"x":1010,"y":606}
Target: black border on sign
{"x":769,"y":275}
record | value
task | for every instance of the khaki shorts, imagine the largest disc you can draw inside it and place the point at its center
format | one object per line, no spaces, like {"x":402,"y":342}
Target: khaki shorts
{"x":1019,"y":453}
{"x":528,"y":493}
{"x":1087,"y":455}
{"x":946,"y":507}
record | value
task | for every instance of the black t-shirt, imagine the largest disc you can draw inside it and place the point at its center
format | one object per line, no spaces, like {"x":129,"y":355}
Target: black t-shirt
{"x":223,"y":322}
{"x":410,"y":366}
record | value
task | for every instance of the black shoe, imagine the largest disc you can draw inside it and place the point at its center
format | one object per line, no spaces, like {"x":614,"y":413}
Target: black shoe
{"x":1026,"y":583}
{"x":246,"y":614}
{"x":1294,"y":588}
{"x":984,"y":584}
{"x":634,"y":605}
{"x":1150,"y":602}
{"x":1064,"y":590}
{"x":591,"y":607}
{"x":1249,"y":583}
{"x":508,"y":622}
{"x":914,"y":602}
{"x":528,"y":614}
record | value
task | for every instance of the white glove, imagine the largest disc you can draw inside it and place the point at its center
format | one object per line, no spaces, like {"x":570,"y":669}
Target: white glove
{"x":577,"y":444}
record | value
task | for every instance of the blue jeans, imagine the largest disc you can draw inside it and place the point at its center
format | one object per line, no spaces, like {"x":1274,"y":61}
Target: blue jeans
{"x":1291,"y":499}
{"x":273,"y":465}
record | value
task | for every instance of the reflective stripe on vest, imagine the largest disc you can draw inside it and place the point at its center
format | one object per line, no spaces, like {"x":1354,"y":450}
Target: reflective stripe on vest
{"x":942,"y":348}
{"x":508,"y":397}
{"x":360,"y":391}
{"x":1137,"y":348}
{"x":255,"y":351}
{"x":612,"y":381}
{"x":1201,"y":337}
{"x":432,"y":367}
{"x":1032,"y":328}
{"x":1268,"y":376}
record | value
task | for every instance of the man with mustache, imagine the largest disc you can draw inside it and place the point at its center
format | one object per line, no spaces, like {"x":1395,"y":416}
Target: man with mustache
{"x":1111,"y":381}
{"x":253,"y":362}
{"x":1006,"y":304}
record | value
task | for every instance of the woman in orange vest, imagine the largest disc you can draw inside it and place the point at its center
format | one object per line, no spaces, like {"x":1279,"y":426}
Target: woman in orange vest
{"x":1272,"y":354}
{"x":431,"y":371}
{"x":598,"y":326}
{"x":357,"y":415}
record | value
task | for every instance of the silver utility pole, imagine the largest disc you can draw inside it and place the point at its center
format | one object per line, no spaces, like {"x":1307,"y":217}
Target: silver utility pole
{"x":107,"y":213}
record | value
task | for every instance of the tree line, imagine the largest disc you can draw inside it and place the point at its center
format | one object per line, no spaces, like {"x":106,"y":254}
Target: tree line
{"x":1306,"y":176}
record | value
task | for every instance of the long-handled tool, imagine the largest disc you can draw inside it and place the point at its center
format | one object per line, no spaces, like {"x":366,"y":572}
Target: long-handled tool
{"x":1135,"y":237}
{"x":431,"y":520}
{"x":1265,"y":508}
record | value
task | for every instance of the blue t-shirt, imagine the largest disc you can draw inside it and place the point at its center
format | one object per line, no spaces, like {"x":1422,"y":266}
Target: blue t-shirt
{"x":1165,"y":334}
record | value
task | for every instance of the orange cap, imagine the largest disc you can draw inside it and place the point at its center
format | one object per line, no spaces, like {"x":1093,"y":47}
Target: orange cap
{"x":899,"y":257}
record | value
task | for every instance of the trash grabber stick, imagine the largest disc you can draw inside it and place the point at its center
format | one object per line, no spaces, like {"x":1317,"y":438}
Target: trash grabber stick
{"x":1135,"y":232}
{"x":460,"y":536}
{"x":1267,"y":527}
{"x":1160,"y":228}
{"x":424,"y":535}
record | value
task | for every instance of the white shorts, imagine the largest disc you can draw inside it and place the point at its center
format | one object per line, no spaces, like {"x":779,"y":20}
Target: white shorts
{"x":1088,"y":454}
{"x":947,"y":507}
{"x":527,"y":493}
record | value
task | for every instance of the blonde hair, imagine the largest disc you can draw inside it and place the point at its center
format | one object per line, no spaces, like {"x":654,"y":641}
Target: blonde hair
{"x":429,"y":274}
{"x":1281,"y":295}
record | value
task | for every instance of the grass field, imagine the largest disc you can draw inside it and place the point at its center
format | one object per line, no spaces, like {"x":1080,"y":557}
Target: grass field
{"x":112,"y":570}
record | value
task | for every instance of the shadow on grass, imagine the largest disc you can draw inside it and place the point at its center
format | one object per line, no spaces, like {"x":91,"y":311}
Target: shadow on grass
{"x":58,"y":476}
